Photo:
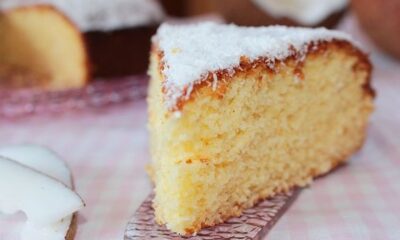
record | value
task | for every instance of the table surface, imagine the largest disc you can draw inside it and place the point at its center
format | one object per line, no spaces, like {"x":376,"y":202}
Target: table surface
{"x":107,"y":151}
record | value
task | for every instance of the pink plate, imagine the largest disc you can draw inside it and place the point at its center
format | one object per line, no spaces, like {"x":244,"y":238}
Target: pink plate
{"x":100,"y":93}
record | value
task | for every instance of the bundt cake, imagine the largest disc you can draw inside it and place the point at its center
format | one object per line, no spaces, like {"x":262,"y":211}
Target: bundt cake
{"x":310,"y":13}
{"x":239,"y":114}
{"x":108,"y":39}
{"x":39,"y":47}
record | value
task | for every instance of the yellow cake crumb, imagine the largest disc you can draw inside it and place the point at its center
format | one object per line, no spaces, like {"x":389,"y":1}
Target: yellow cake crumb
{"x":266,"y":133}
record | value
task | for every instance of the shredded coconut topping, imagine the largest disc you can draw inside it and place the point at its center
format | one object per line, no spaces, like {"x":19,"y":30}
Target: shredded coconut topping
{"x":103,"y":15}
{"x":209,"y":47}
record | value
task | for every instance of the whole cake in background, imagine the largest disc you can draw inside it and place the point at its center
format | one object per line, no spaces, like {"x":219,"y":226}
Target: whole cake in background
{"x":239,"y":114}
{"x":59,"y":44}
{"x":304,"y":12}
{"x":310,"y":13}
{"x":39,"y":47}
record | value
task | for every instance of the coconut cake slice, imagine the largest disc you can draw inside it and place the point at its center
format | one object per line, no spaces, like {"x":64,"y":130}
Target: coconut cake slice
{"x":239,"y":114}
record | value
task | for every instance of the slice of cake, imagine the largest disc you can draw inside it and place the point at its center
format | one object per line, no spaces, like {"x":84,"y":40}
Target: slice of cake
{"x":237,"y":115}
{"x":41,"y":187}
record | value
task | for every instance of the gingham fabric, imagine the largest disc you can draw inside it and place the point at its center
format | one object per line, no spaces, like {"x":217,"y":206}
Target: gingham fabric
{"x":107,"y":151}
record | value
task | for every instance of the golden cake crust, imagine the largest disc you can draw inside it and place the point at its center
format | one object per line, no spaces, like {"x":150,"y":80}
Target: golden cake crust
{"x":72,"y":229}
{"x":224,"y":76}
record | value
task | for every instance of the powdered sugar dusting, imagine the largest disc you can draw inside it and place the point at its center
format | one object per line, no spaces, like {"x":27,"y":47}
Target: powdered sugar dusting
{"x":102,"y":15}
{"x":191,"y":52}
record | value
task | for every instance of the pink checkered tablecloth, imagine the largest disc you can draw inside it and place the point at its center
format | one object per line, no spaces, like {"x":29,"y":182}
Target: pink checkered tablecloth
{"x":107,"y":150}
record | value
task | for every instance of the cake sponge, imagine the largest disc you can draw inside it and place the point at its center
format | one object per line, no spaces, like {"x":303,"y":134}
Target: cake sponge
{"x":223,"y":139}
